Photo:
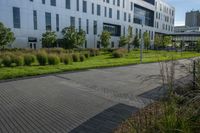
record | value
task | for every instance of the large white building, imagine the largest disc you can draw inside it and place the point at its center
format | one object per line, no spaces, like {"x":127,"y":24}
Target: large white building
{"x":28,"y":19}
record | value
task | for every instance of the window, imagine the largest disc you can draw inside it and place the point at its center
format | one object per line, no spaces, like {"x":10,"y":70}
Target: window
{"x":79,"y":24}
{"x":105,"y":11}
{"x":87,"y":26}
{"x":125,"y":16}
{"x":72,"y":21}
{"x":43,"y":1}
{"x":77,"y":5}
{"x":68,"y":4}
{"x":85,"y":6}
{"x":35,"y":19}
{"x":118,"y":2}
{"x":118,"y":15}
{"x":57,"y":22}
{"x":48,"y":20}
{"x":95,"y":27}
{"x":16,"y":17}
{"x":98,"y":10}
{"x":110,"y":12}
{"x":115,"y":30}
{"x":92,"y":8}
{"x":53,"y":2}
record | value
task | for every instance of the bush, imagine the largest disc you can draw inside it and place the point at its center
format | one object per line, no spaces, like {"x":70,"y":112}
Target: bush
{"x":119,"y":53}
{"x":82,"y":58}
{"x":94,"y":52}
{"x":0,"y":61}
{"x":42,"y":58}
{"x":53,"y":59}
{"x":6,"y":60}
{"x":29,"y":59}
{"x":75,"y":57}
{"x":86,"y":54}
{"x":66,"y":59}
{"x":18,"y":60}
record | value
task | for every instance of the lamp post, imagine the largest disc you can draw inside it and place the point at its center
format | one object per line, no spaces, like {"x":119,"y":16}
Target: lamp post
{"x":141,"y":46}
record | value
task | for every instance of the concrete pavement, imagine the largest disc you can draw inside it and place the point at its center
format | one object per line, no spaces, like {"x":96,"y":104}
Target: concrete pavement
{"x":96,"y":100}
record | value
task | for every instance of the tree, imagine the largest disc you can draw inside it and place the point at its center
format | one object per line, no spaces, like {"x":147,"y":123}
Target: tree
{"x":105,"y":39}
{"x":167,"y":40}
{"x":123,"y":41}
{"x":198,"y":45}
{"x":157,"y":41}
{"x":73,"y":38}
{"x":136,"y":42}
{"x":6,"y":35}
{"x":130,"y":37}
{"x":48,"y":39}
{"x":146,"y":40}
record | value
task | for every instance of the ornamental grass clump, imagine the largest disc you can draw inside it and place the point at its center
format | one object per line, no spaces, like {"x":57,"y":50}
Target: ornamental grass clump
{"x":42,"y":58}
{"x":53,"y":59}
{"x":18,"y":60}
{"x":75,"y":57}
{"x":29,"y":59}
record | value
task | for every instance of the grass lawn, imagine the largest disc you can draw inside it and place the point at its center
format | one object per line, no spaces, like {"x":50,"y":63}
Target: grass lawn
{"x":104,"y":60}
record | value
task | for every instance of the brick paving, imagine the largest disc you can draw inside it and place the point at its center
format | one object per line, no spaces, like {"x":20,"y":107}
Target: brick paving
{"x":93,"y":101}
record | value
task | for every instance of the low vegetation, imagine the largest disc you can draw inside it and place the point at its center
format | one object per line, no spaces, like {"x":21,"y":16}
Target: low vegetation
{"x":36,"y":62}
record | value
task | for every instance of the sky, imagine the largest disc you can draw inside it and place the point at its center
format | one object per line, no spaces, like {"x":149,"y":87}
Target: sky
{"x":182,"y":6}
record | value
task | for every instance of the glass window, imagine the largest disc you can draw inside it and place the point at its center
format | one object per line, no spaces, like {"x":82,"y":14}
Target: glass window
{"x":57,"y":22}
{"x":115,"y":30}
{"x":16,"y":17}
{"x":72,"y":21}
{"x":68,"y":4}
{"x":53,"y":2}
{"x":35,"y":19}
{"x":98,"y":10}
{"x":77,"y":5}
{"x":87,"y":26}
{"x":95,"y":27}
{"x":110,"y":12}
{"x":43,"y":1}
{"x":48,"y":20}
{"x":85,"y":6}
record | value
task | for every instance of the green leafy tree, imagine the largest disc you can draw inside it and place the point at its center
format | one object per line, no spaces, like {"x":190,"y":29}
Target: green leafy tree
{"x":73,"y":38}
{"x":167,"y":40}
{"x":130,"y":38}
{"x":6,"y":35}
{"x":105,"y":39}
{"x":157,"y":41}
{"x":146,"y":40}
{"x":136,"y":42}
{"x":198,"y":45}
{"x":123,"y":41}
{"x":48,"y":39}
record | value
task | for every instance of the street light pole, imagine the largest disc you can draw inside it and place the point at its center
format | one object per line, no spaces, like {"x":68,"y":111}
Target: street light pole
{"x":141,"y":46}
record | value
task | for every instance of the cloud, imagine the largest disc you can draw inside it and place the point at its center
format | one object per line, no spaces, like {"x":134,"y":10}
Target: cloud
{"x":179,"y":23}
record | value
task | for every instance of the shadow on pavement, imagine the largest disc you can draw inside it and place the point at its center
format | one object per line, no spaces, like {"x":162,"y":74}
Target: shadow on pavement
{"x":107,"y":120}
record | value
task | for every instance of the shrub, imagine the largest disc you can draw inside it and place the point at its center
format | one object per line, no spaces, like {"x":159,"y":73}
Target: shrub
{"x":94,"y":52}
{"x":75,"y":57}
{"x":82,"y":58}
{"x":29,"y":59}
{"x":6,"y":60}
{"x":53,"y":59}
{"x":18,"y":60}
{"x":0,"y":61}
{"x":86,"y":54}
{"x":119,"y":53}
{"x":42,"y":58}
{"x":66,"y":59}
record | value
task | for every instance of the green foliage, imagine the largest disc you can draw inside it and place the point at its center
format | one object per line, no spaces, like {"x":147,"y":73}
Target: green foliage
{"x":48,"y":39}
{"x":105,"y":39}
{"x":94,"y":52}
{"x":123,"y":41}
{"x":119,"y":53}
{"x":198,"y":45}
{"x":146,"y":40}
{"x":82,"y":58}
{"x":18,"y":60}
{"x":167,"y":40}
{"x":6,"y":35}
{"x":73,"y":38}
{"x":53,"y":59}
{"x":0,"y":61}
{"x":75,"y":57}
{"x":7,"y":60}
{"x":86,"y":54}
{"x":42,"y":58}
{"x":67,"y":59}
{"x":136,"y":42}
{"x":130,"y":38}
{"x":158,"y":41}
{"x":29,"y":59}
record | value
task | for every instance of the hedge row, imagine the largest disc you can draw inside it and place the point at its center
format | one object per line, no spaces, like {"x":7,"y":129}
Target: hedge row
{"x":42,"y":58}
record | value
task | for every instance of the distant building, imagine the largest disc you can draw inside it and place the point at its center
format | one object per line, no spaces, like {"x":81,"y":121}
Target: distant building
{"x":179,"y":29}
{"x":192,"y":19}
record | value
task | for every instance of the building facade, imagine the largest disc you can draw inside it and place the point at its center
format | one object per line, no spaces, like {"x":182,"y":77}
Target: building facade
{"x":192,"y":19}
{"x":28,"y":19}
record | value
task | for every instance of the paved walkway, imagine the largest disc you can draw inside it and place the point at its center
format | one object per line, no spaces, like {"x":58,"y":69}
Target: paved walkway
{"x":93,"y":101}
